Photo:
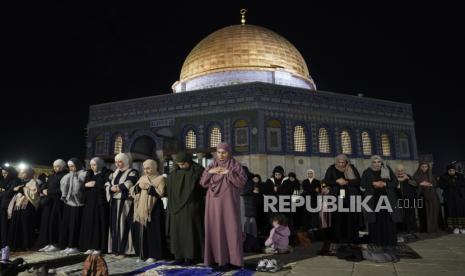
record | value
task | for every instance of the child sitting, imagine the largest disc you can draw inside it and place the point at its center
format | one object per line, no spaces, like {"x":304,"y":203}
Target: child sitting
{"x":278,"y":241}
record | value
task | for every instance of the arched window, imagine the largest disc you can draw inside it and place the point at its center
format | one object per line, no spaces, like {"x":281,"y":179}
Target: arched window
{"x":118,"y":144}
{"x":346,"y":142}
{"x":366,"y":144}
{"x":385,"y":144}
{"x":215,"y":136}
{"x":404,"y":145}
{"x":99,"y":146}
{"x":300,"y":139}
{"x":273,"y":134}
{"x":323,"y":141}
{"x":241,"y":133}
{"x":191,"y":139}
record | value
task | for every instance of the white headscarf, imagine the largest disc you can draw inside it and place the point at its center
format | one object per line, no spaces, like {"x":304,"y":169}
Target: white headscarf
{"x":311,"y":170}
{"x":99,"y":162}
{"x":125,"y":159}
{"x":60,"y":163}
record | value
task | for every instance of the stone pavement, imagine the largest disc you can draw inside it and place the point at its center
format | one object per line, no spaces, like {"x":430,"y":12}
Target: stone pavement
{"x":441,"y":256}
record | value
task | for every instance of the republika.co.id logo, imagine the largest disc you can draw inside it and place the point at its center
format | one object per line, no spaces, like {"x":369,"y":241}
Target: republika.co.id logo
{"x":330,"y":203}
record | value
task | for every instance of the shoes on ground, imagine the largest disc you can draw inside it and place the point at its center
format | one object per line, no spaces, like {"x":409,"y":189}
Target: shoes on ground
{"x":150,"y":261}
{"x":261,"y":266}
{"x":72,"y":251}
{"x":52,"y":248}
{"x":273,"y":266}
{"x":44,"y":249}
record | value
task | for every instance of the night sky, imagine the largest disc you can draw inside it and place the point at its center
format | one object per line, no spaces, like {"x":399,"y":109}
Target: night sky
{"x":59,"y":58}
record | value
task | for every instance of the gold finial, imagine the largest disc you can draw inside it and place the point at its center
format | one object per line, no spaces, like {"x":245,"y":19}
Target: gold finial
{"x":243,"y":11}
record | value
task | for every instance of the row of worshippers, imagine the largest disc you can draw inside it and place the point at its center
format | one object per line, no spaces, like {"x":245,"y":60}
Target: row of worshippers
{"x":203,"y":206}
{"x":101,"y":211}
{"x":408,"y":194}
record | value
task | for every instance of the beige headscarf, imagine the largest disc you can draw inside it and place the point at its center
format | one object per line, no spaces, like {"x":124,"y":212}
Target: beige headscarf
{"x":143,"y":202}
{"x":30,"y":194}
{"x":348,"y":171}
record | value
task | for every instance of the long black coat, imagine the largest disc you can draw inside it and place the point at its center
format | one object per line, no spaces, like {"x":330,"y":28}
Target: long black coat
{"x":250,"y":199}
{"x":52,"y":211}
{"x":408,"y":193}
{"x":344,"y":225}
{"x":186,"y":208}
{"x":307,"y":219}
{"x":332,"y":174}
{"x":6,"y":196}
{"x":95,"y":214}
{"x":453,"y":188}
{"x":369,"y":176}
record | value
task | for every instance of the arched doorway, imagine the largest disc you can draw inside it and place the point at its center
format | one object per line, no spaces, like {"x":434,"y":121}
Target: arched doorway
{"x":145,"y":147}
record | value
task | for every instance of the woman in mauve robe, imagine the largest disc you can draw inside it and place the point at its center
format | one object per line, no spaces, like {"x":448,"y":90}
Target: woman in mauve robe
{"x":224,"y":179}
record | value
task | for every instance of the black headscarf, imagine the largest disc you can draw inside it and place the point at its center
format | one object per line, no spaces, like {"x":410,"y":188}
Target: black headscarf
{"x":248,"y":173}
{"x":12,"y":173}
{"x":181,"y":184}
{"x":11,"y":179}
{"x":77,"y":163}
{"x":278,"y":169}
{"x":182,"y":157}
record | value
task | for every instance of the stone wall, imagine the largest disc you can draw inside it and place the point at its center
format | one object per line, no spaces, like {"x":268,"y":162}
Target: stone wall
{"x":263,"y":164}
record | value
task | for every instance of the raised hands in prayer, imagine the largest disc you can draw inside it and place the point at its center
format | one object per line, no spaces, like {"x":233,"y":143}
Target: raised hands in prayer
{"x":426,"y":184}
{"x":379,"y":184}
{"x":144,"y":185}
{"x":218,"y":170}
{"x":90,"y":184}
{"x":17,"y":188}
{"x":115,"y":189}
{"x":342,"y":181}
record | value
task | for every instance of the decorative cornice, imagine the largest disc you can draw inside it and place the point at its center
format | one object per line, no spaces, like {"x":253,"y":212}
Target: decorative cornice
{"x":291,"y":101}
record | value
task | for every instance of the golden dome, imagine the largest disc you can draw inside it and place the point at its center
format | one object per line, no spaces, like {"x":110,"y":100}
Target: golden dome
{"x":243,"y":47}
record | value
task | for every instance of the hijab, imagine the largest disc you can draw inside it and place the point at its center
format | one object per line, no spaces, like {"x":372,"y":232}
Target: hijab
{"x":385,"y":174}
{"x":218,"y":182}
{"x":347,"y":169}
{"x":77,"y":163}
{"x":421,"y":176}
{"x":99,"y":162}
{"x":125,"y":159}
{"x":143,"y":202}
{"x":60,"y":163}
{"x":312,"y":171}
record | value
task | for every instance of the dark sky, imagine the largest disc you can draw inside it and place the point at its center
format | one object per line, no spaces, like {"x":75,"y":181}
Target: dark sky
{"x":58,"y":58}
